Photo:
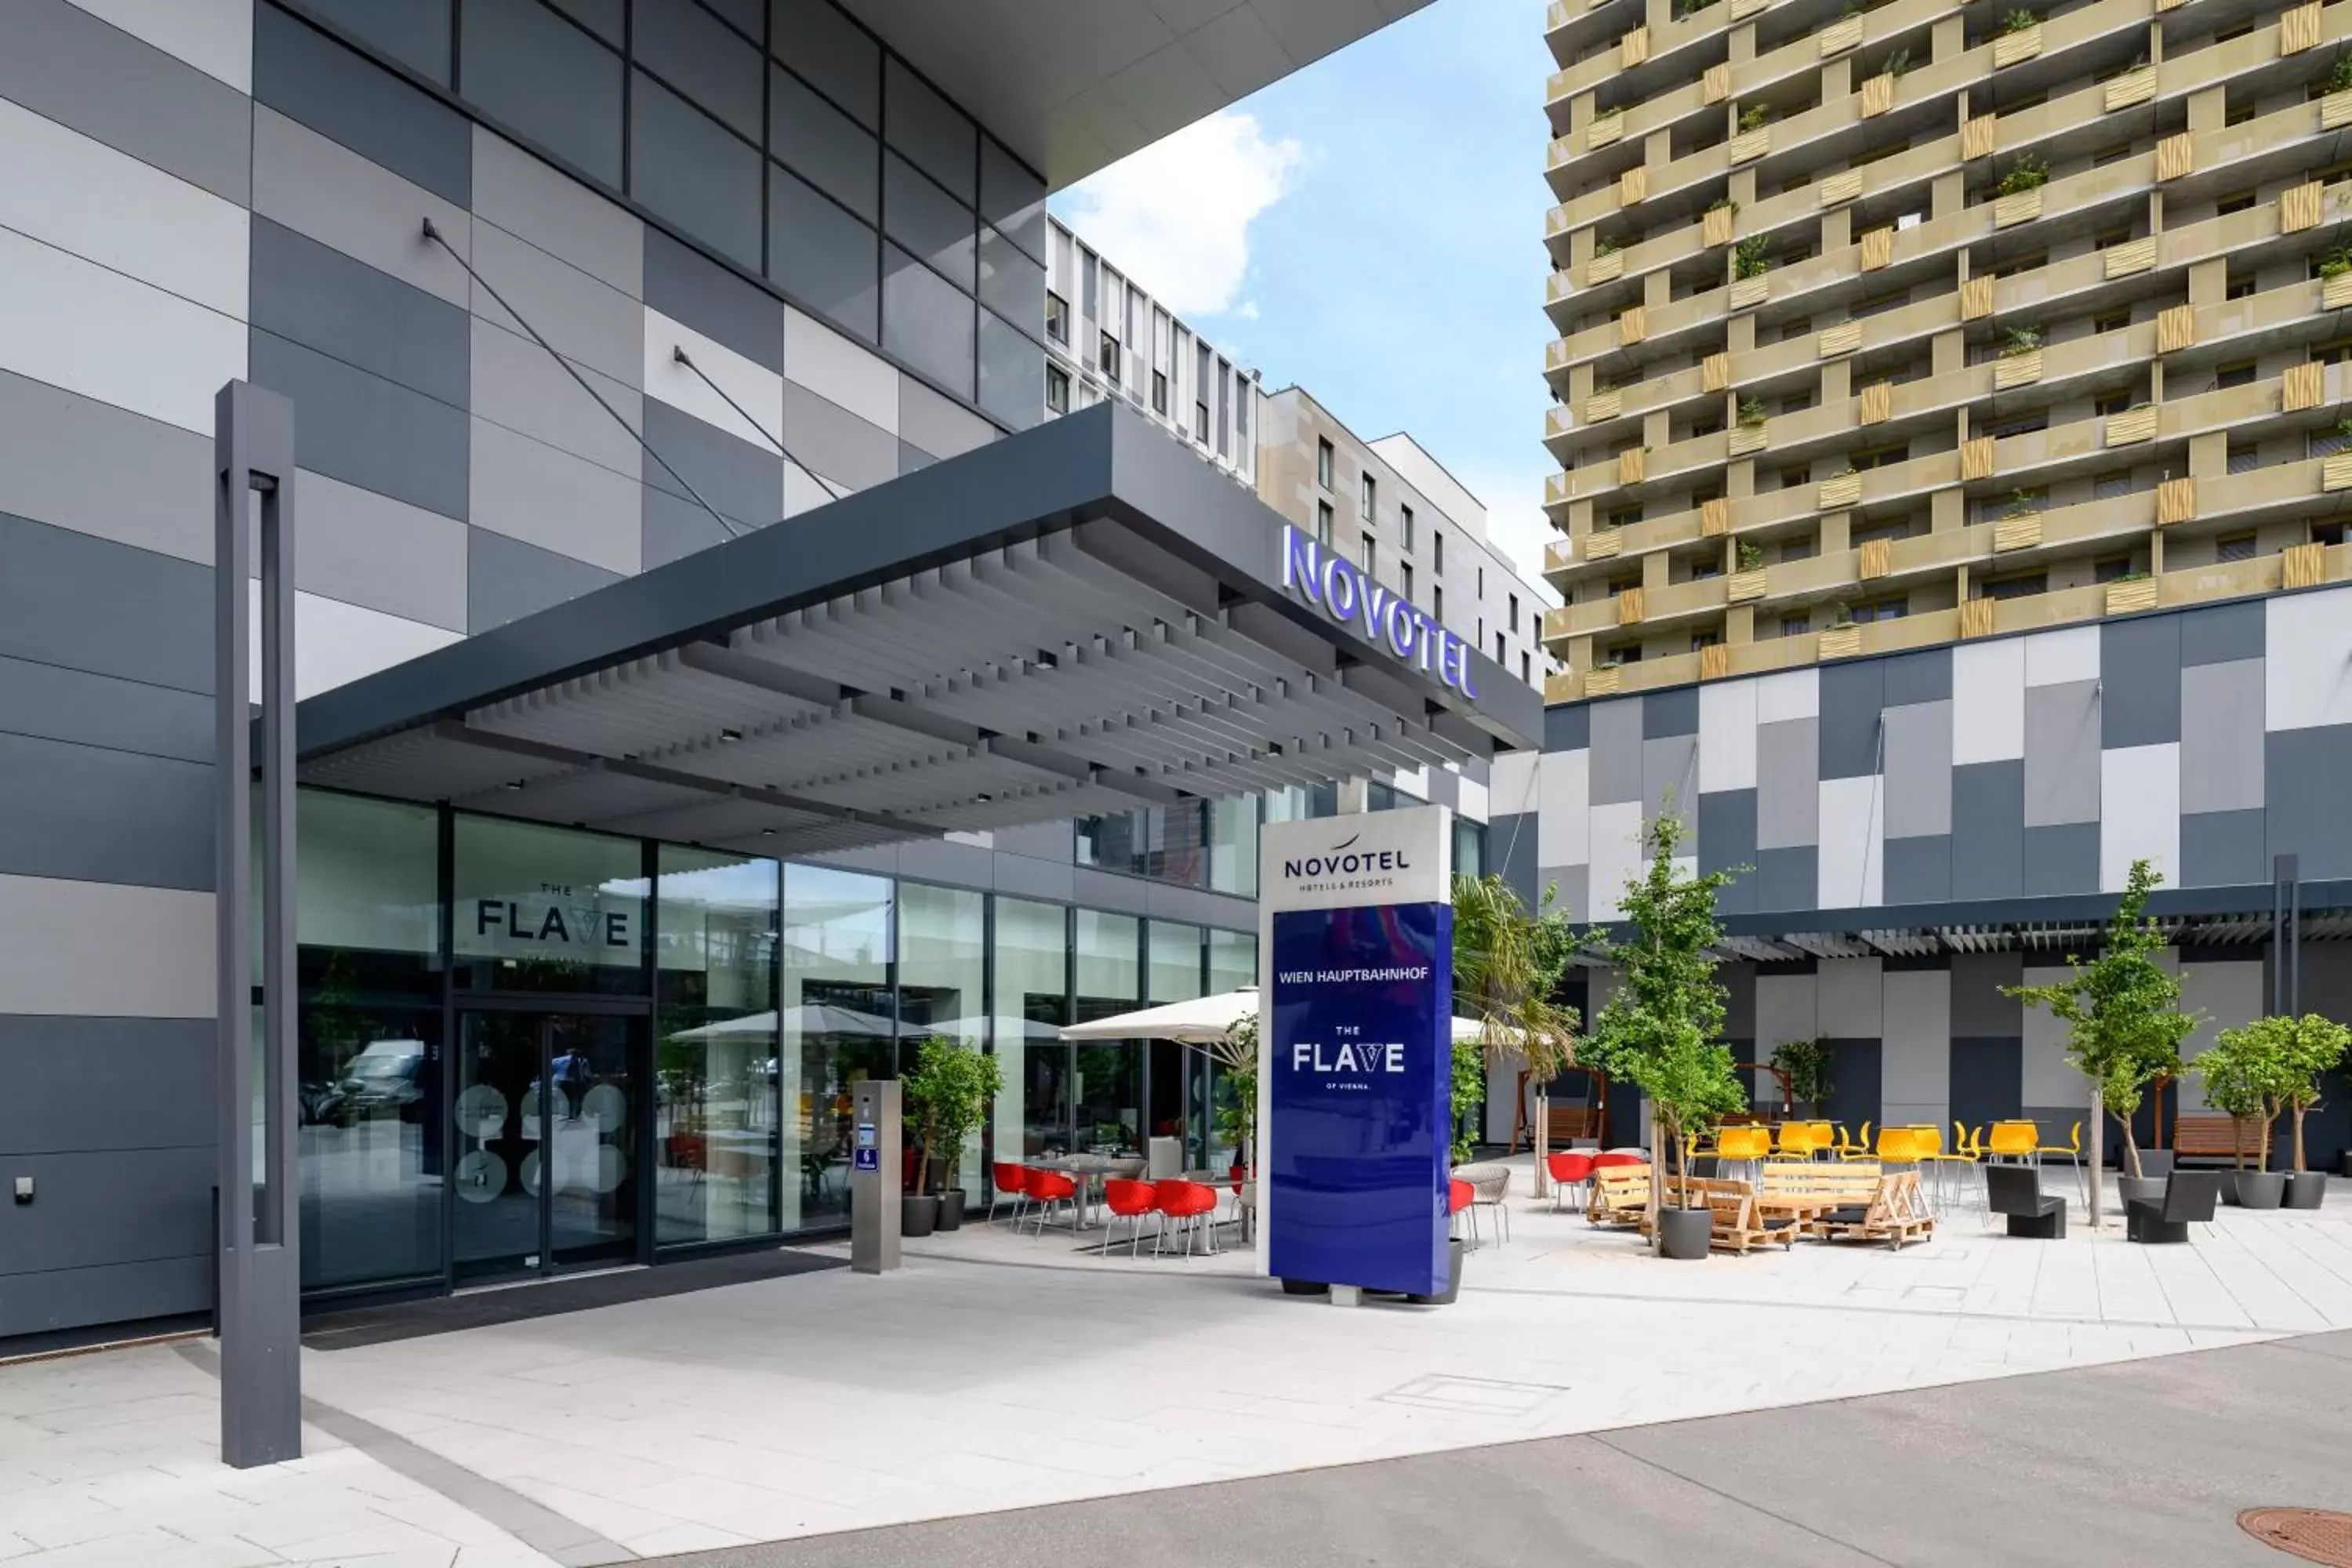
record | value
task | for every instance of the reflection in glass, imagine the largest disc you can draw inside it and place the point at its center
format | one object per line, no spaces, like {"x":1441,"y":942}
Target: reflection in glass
{"x":1233,"y":845}
{"x":1232,"y":963}
{"x":943,"y":973}
{"x":548,"y":908}
{"x":1107,"y":1084}
{"x":715,"y":1047}
{"x":836,"y":1028}
{"x":1176,"y":1073}
{"x":1033,"y":983}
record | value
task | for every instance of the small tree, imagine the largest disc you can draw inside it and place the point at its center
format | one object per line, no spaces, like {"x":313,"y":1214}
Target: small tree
{"x":1661,"y":1031}
{"x":1236,"y":1052}
{"x":1807,"y":1063}
{"x":1507,"y":963}
{"x":945,"y":1101}
{"x":2269,"y":1066}
{"x":2121,"y":1011}
{"x":2314,"y":1049}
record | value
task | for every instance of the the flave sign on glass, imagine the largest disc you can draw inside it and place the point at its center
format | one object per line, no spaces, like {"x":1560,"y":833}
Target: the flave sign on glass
{"x":1344,"y":591}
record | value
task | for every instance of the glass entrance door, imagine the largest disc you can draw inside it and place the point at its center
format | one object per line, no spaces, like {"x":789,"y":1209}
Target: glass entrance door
{"x":548,"y":1111}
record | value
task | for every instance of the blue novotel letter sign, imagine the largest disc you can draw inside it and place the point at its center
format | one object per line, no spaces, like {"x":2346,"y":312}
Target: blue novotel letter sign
{"x":1324,"y":577}
{"x":1359,"y":1053}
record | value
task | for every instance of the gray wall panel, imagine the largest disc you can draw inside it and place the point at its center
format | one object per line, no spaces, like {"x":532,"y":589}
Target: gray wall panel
{"x":1055,"y":841}
{"x":1922,"y":677}
{"x":63,"y":63}
{"x":1670,"y":712}
{"x":535,"y":202}
{"x":1669,"y":777}
{"x":1726,"y":840}
{"x":2140,"y":670}
{"x":1977,"y":1006}
{"x":1567,"y":728}
{"x":672,"y":528}
{"x":1197,"y":906}
{"x":1023,"y":877}
{"x":1511,"y":851}
{"x":97,"y":815}
{"x":948,"y":861}
{"x":585,"y":319}
{"x":1918,"y":870}
{"x":88,"y":603}
{"x":371,"y":549}
{"x":1852,"y":694}
{"x":1989,"y":830}
{"x":935,"y":423}
{"x":530,"y":490}
{"x":696,"y":291}
{"x":1988,"y":1077}
{"x":2307,"y":769}
{"x":519,"y":384}
{"x":1788,"y":878}
{"x":2062,"y":753}
{"x":98,"y":1207}
{"x":96,"y":469}
{"x":316,"y":186}
{"x":2061,"y":859}
{"x":122,"y":1292}
{"x":744,"y":481}
{"x":2223,"y":848}
{"x":507,"y":579}
{"x":1108,"y":890}
{"x":365,"y":430}
{"x":2221,"y":736}
{"x":1856,"y":1072}
{"x":308,"y":77}
{"x":828,"y":439}
{"x":52,"y":702}
{"x":1787,"y":784}
{"x":316,"y":296}
{"x":80,"y":1084}
{"x":911,"y":459}
{"x":2220,"y":633}
{"x":1616,"y":737}
{"x":1918,"y":771}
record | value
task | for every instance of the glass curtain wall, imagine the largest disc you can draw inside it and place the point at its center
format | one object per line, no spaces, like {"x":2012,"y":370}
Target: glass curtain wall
{"x":1232,"y":961}
{"x":942,"y":989}
{"x":1233,"y":845}
{"x":369,"y":1054}
{"x":1108,"y":1080}
{"x":1032,"y":1002}
{"x":548,"y":908}
{"x":836,"y":1028}
{"x":718,"y":1133}
{"x":1176,"y":1074}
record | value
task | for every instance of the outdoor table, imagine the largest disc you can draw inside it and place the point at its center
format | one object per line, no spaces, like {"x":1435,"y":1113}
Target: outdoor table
{"x":1088,"y":1171}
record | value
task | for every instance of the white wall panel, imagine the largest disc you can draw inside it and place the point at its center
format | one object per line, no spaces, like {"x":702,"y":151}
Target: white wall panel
{"x":831,"y":365}
{"x":69,"y":942}
{"x":106,"y":206}
{"x":214,"y":36}
{"x":1513,"y":787}
{"x":1474,"y":799}
{"x":2139,"y":810}
{"x":2227,"y":994}
{"x":1989,"y":701}
{"x":1727,"y":735}
{"x":1848,"y":1000}
{"x":2047,"y":1078}
{"x":74,"y":324}
{"x":1563,"y":798}
{"x":1790,"y":694}
{"x":1916,"y":1049}
{"x":335,"y":643}
{"x":1616,"y":849}
{"x":1851,"y":867}
{"x":1786,"y":1010}
{"x":2307,"y":680}
{"x":760,"y":390}
{"x":2052,"y":658}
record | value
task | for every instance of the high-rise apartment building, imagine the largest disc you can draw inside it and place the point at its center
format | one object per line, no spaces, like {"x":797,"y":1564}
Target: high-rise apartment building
{"x":1881,"y":328}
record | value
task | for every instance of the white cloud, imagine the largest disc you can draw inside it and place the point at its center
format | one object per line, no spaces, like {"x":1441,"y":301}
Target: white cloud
{"x":1176,"y":216}
{"x":1246,"y":311}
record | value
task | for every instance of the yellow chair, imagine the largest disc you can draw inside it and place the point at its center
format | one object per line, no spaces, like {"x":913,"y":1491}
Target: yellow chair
{"x":1796,"y":1139}
{"x":1826,"y":1138}
{"x":1860,"y":1148}
{"x":2013,"y":1141}
{"x":2070,"y":1151}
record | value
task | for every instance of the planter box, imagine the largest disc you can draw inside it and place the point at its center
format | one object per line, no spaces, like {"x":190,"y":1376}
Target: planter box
{"x":1842,"y":35}
{"x":1631,"y":605}
{"x":2299,"y":29}
{"x":1714,"y":517}
{"x":2335,"y":110}
{"x":1603,"y":269}
{"x":1715,"y":372}
{"x":1751,"y":145}
{"x":2176,"y":329}
{"x":2176,"y":501}
{"x":2132,"y":86}
{"x":2132,"y":425}
{"x":2176,"y":156}
{"x":2017,"y":533}
{"x":1715,"y":661}
{"x":1976,"y":299}
{"x":1976,"y":617}
{"x":2014,"y":48}
{"x":1747,"y":438}
{"x":1743,"y":9}
{"x":2302,"y":386}
{"x":1634,"y":49}
{"x":2134,"y":256}
{"x":1838,"y":493}
{"x":2336,"y":293}
{"x":1841,"y":188}
{"x":1603,"y":406}
{"x":2017,"y":369}
{"x":2023,"y":207}
{"x":2130,"y":598}
{"x":1603,"y":544}
{"x":1842,"y":339}
{"x":1876,"y":558}
{"x":1838,"y":642}
{"x":2336,"y":472}
{"x":1633,"y":187}
{"x":1747,"y":293}
{"x":1632,"y":466}
{"x":1604,"y":130}
{"x":2303,"y":565}
{"x":1878,"y":96}
{"x":1715,"y":226}
{"x":1601,"y":682}
{"x":1878,"y":248}
{"x":1977,"y":136}
{"x":1877,"y":403}
{"x":1743,"y":586}
{"x":2299,"y":208}
{"x":1716,"y":85}
{"x":1976,"y":457}
{"x":1632,"y":324}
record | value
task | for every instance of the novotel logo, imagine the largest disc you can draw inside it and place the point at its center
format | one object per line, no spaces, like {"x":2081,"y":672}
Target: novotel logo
{"x":1338,"y":862}
{"x":1324,"y":578}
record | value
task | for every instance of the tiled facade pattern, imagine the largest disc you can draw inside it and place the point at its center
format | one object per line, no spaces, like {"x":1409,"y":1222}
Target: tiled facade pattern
{"x":1952,"y":321}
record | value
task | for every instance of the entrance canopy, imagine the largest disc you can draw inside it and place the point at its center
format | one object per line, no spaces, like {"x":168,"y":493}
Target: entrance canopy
{"x":1082,"y":619}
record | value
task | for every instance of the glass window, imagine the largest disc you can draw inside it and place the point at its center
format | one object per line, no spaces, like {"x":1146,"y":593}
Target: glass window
{"x":824,"y":145}
{"x":931,"y":132}
{"x":927,"y":221}
{"x":926,"y":322}
{"x":1323,"y":462}
{"x":1012,"y":368}
{"x":548,"y":908}
{"x":686,"y":168}
{"x":1033,"y":981}
{"x":1233,"y":845}
{"x":1057,"y":390}
{"x":1470,"y":848}
{"x":704,"y":59}
{"x":1107,"y":1082}
{"x":415,"y":36}
{"x":1012,"y":198}
{"x":1233,"y":960}
{"x":942,"y":978}
{"x":822,"y":255}
{"x":832,"y":53}
{"x":1232,"y":963}
{"x":749,"y":16}
{"x":716,"y":1129}
{"x":1058,"y":317}
{"x":836,"y":1030}
{"x":1010,"y":283}
{"x":1175,"y":954}
{"x":545,"y":79}
{"x":608,"y":19}
{"x":368,"y":1049}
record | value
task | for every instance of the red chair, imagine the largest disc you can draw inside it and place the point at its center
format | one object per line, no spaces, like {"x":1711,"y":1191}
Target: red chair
{"x":1608,"y":1161}
{"x":1011,"y":1181}
{"x":1047,"y":1188}
{"x":1128,"y":1200}
{"x":1461,"y":1195}
{"x":1186,"y":1203}
{"x":1568,"y":1170}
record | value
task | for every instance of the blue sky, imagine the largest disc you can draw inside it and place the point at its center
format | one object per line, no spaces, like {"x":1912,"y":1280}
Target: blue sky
{"x":1371,"y":227}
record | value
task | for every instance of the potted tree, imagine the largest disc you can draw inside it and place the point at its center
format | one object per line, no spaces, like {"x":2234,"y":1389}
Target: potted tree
{"x":2123,"y":1019}
{"x":1507,"y":963}
{"x":1807,"y":1063}
{"x":953,"y":1084}
{"x":1661,"y":1030}
{"x":2314,"y":1049}
{"x":2245,"y":1072}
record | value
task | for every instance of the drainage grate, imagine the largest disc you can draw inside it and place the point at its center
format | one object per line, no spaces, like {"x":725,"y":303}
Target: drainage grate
{"x":2310,"y":1533}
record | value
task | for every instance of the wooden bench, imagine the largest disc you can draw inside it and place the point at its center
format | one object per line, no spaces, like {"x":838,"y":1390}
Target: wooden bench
{"x":2214,"y":1135}
{"x":1895,"y":1214}
{"x":1620,"y":1195}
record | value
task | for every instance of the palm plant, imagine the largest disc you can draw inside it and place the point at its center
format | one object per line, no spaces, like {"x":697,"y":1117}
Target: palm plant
{"x":2027,"y":171}
{"x":2019,"y":21}
{"x":2339,"y":75}
{"x":2015,"y":341}
{"x":1751,"y":257}
{"x":1755,"y":117}
{"x":1507,"y":963}
{"x":1751,"y":412}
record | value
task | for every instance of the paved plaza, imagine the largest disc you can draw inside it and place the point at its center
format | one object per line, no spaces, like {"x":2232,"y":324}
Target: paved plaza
{"x":998,"y":1373}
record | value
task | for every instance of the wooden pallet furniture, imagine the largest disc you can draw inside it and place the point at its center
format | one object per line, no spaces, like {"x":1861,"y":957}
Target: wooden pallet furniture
{"x":1896,"y":1213}
{"x":1737,"y":1225}
{"x":1620,"y":1195}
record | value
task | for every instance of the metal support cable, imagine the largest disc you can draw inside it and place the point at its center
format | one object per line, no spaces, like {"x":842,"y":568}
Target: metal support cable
{"x":678,"y":353}
{"x":433,"y":234}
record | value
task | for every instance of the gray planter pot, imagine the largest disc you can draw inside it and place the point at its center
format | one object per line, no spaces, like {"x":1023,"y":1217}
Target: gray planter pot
{"x":951,"y":1209}
{"x":2154,"y":1163}
{"x":918,"y":1217}
{"x":1685,"y":1232}
{"x":2261,"y":1189}
{"x":2139,"y":1189}
{"x":2307,"y":1189}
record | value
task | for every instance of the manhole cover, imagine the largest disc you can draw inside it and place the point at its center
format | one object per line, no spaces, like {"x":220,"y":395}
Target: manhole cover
{"x":2310,"y":1533}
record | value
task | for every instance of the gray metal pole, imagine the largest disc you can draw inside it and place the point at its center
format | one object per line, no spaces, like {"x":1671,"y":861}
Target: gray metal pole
{"x":260,"y":1269}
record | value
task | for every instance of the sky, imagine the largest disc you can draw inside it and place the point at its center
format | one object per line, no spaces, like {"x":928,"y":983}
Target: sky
{"x":1372,"y":228}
